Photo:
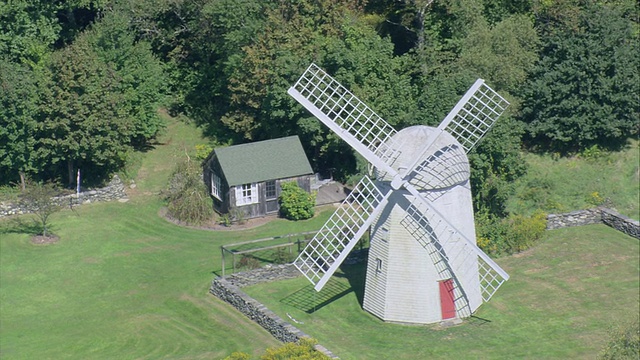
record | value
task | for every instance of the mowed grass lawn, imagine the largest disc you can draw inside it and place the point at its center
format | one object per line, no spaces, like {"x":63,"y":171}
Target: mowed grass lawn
{"x":563,"y":298}
{"x":122,"y":283}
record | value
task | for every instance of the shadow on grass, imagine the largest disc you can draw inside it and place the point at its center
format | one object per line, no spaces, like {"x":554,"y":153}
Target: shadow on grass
{"x":309,"y":300}
{"x":20,"y":226}
{"x":477,"y":321}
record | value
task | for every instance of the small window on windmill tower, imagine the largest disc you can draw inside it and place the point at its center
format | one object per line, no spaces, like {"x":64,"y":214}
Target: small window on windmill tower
{"x":378,"y":265}
{"x":384,"y":234}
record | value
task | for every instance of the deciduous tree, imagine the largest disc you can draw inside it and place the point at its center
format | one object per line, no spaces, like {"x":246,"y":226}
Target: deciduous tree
{"x":18,"y":122}
{"x":584,"y":90}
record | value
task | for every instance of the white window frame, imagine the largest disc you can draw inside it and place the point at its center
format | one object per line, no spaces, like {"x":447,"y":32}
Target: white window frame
{"x":216,"y":186}
{"x":246,"y":194}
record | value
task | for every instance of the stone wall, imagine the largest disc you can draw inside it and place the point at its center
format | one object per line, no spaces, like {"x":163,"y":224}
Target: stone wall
{"x":228,"y":289}
{"x":574,"y":218}
{"x":113,"y":191}
{"x":621,"y":223}
{"x":595,"y":216}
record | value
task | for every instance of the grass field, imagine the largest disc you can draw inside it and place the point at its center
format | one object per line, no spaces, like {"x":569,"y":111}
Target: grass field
{"x":123,"y":283}
{"x":562,"y":299}
{"x":568,"y":184}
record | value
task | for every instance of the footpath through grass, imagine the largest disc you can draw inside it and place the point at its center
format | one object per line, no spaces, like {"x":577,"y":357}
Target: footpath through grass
{"x":560,"y":303}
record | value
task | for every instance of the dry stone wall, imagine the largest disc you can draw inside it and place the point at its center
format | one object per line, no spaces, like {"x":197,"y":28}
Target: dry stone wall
{"x":228,"y":289}
{"x":598,"y":215}
{"x":113,"y":191}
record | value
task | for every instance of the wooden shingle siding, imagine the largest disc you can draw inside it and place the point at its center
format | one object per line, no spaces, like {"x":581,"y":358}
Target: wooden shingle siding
{"x":278,"y":160}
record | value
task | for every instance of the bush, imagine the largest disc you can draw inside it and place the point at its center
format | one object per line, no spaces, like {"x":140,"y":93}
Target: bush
{"x":295,"y":203}
{"x":302,"y":350}
{"x":624,"y":343}
{"x":511,"y":235}
{"x":187,"y":196}
{"x":248,"y":262}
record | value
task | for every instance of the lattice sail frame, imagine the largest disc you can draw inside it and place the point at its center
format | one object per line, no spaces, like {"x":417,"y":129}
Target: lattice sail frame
{"x":474,"y":115}
{"x":371,"y":136}
{"x":347,"y":116}
{"x":337,"y":237}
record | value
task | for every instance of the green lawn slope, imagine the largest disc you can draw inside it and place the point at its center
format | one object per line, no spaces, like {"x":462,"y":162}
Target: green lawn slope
{"x":124,"y":283}
{"x":563,"y":298}
{"x":557,"y":185}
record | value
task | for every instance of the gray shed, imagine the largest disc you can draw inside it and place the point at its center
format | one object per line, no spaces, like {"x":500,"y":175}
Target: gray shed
{"x":247,"y":177}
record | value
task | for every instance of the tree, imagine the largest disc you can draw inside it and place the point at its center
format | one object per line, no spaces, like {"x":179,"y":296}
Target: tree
{"x":39,"y":197}
{"x":295,"y":203}
{"x":584,"y":91}
{"x":83,"y":124}
{"x":142,"y":81}
{"x":28,"y":29}
{"x":18,"y":122}
{"x":100,"y":100}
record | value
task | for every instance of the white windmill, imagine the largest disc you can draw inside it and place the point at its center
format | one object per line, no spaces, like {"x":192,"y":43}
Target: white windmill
{"x":424,"y":265}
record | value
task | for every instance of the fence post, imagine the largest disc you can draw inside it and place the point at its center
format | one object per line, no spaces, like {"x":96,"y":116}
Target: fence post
{"x":222,"y":249}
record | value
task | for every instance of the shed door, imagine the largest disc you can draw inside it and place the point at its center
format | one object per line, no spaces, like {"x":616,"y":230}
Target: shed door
{"x":271,"y":196}
{"x":446,"y":299}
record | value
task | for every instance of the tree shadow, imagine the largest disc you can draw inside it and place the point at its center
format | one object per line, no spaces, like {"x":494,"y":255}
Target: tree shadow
{"x":20,"y":226}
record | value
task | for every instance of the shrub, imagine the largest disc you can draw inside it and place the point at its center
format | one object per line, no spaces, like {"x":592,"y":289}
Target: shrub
{"x":186,"y":195}
{"x":302,"y":350}
{"x":238,"y":356}
{"x":248,"y":262}
{"x":524,"y":232}
{"x":295,"y":203}
{"x":511,"y":235}
{"x":623,"y":343}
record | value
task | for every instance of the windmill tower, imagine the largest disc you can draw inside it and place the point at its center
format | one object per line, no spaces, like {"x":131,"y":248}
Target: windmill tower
{"x":424,"y":265}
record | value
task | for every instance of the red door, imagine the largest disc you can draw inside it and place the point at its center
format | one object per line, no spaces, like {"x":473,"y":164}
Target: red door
{"x":446,"y":299}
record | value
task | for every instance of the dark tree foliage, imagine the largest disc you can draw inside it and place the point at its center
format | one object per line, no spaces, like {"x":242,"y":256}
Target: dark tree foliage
{"x":83,"y":125}
{"x":18,"y":122}
{"x":584,"y":91}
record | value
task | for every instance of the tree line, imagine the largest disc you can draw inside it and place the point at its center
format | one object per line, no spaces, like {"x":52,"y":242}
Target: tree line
{"x":82,"y":80}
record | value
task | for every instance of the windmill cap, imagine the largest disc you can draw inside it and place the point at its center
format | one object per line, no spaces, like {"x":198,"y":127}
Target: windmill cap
{"x":442,"y":165}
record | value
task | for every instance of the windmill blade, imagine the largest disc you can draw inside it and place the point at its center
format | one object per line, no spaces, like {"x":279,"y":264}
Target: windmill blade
{"x":468,"y":121}
{"x":347,"y":116}
{"x":474,"y":114}
{"x":337,"y":237}
{"x":442,"y":232}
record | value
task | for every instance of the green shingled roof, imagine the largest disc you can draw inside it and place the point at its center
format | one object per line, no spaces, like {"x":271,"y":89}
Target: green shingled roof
{"x":263,"y":160}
